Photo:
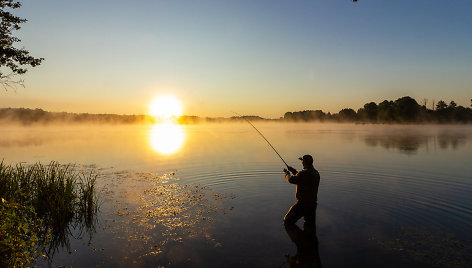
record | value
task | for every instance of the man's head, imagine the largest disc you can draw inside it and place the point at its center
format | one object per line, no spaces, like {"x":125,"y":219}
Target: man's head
{"x":307,"y":160}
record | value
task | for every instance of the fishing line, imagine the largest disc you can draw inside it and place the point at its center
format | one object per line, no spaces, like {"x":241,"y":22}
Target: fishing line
{"x":263,"y":138}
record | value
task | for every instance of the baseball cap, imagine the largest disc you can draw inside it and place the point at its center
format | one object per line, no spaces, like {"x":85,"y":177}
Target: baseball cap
{"x":307,"y":158}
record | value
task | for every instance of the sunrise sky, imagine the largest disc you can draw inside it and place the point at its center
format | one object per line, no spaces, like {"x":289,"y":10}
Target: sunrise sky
{"x":253,"y":57}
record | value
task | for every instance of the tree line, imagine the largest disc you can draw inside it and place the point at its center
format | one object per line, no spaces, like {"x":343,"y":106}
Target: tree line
{"x":27,"y":116}
{"x":402,"y":110}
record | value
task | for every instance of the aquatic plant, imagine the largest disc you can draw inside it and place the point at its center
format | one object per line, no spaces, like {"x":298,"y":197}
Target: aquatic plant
{"x":20,"y":232}
{"x":87,"y":199}
{"x":57,"y":196}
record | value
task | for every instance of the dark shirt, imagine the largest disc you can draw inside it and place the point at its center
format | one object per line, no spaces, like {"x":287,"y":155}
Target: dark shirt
{"x":307,"y":182}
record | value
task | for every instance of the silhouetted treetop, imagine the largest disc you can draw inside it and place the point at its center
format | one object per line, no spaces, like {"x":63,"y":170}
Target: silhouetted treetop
{"x":406,"y":109}
{"x":347,"y":114}
{"x":452,"y":105}
{"x":386,"y":111}
{"x":369,"y":112}
{"x":307,"y":115}
{"x":441,"y":105}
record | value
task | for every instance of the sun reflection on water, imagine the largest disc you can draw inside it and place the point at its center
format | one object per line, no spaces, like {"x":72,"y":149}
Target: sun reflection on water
{"x":167,"y":138}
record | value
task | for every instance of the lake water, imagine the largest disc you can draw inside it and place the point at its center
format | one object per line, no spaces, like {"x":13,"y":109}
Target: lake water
{"x":214,"y":195}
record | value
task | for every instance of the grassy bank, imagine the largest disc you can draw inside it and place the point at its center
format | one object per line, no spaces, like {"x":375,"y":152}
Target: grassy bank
{"x":39,"y":205}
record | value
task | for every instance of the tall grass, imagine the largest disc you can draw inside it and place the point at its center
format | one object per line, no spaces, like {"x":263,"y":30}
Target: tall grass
{"x":59,"y":196}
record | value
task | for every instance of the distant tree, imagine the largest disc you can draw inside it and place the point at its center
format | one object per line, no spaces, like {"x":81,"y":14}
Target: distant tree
{"x":443,"y":113}
{"x":441,"y":105}
{"x":12,"y":59}
{"x":371,"y":111}
{"x":317,"y":115}
{"x":288,"y":116}
{"x":462,"y":114}
{"x":329,"y":116}
{"x":307,"y":115}
{"x":347,"y":114}
{"x":386,"y":111}
{"x":406,"y":109}
{"x":452,"y":105}
{"x":311,"y":115}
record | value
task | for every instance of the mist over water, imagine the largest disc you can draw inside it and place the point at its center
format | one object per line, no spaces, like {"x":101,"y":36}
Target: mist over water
{"x":389,"y":194}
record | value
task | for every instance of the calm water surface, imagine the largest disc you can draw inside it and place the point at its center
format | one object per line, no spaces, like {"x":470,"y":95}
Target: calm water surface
{"x":214,"y":195}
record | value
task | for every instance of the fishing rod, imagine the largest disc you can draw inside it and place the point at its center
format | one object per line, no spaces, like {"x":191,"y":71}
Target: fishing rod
{"x":263,"y":138}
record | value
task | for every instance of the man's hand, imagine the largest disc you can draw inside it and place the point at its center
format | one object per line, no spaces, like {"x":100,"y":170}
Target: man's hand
{"x":286,"y":171}
{"x":294,"y":171}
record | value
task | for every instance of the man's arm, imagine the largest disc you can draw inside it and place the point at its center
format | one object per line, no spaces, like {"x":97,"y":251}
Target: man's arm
{"x":287,"y":175}
{"x":294,"y":179}
{"x":291,"y":169}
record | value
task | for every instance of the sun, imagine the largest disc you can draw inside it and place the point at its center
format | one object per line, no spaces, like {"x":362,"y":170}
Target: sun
{"x":165,"y":107}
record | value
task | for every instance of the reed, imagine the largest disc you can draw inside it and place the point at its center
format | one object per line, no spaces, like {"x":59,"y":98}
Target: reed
{"x":87,"y":199}
{"x":59,"y":196}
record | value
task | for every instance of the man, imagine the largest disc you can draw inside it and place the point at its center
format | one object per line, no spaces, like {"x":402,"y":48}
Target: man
{"x":307,"y":181}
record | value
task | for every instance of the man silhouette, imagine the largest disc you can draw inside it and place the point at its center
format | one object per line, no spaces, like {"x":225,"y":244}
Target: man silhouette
{"x":307,"y":181}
